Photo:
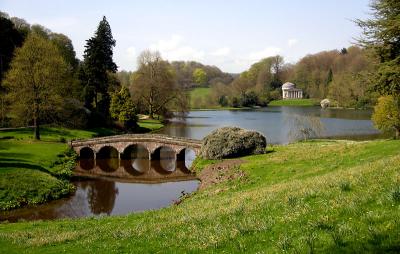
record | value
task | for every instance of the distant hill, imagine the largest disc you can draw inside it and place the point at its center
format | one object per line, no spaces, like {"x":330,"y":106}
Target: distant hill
{"x":184,"y":73}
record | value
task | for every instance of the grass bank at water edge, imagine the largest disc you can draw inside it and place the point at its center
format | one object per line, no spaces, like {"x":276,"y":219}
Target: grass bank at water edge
{"x":33,"y":172}
{"x":307,"y":197}
{"x":295,"y":102}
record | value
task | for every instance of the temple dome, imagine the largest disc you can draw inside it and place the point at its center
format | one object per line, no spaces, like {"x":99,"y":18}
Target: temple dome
{"x":288,"y":85}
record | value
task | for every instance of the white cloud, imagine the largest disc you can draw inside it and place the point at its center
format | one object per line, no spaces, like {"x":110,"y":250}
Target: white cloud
{"x":292,"y":42}
{"x":221,"y":52}
{"x":269,"y":51}
{"x":131,"y":51}
{"x":174,"y":49}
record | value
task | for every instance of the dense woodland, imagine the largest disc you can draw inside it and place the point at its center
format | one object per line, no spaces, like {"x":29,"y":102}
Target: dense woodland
{"x":43,"y":82}
{"x":340,"y":75}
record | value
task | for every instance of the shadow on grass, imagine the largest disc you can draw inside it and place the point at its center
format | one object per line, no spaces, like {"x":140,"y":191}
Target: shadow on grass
{"x":21,"y":165}
{"x":6,"y":156}
{"x":8,"y":160}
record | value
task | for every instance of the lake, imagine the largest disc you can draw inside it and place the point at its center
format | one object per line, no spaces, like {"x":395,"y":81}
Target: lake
{"x":279,"y":124}
{"x":148,"y":185}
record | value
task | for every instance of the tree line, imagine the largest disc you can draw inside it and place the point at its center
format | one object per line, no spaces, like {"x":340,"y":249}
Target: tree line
{"x":42,"y":81}
{"x":340,"y":75}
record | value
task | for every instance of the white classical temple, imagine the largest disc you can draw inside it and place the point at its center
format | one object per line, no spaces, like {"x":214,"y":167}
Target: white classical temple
{"x":289,"y":91}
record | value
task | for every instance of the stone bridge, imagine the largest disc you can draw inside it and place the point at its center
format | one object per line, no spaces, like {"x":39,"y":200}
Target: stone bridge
{"x":135,"y":156}
{"x":151,"y":142}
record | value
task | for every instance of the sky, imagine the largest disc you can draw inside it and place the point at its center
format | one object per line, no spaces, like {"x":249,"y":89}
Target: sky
{"x":230,"y":34}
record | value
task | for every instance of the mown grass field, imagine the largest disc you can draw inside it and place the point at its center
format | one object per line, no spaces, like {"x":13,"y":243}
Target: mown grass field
{"x":200,"y":100}
{"x":199,"y":97}
{"x":150,"y":124}
{"x":307,"y":197}
{"x":294,"y":102}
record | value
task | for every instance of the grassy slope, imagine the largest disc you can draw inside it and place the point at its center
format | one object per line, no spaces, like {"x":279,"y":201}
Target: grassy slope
{"x":203,"y":93}
{"x":200,"y":92}
{"x":329,"y":196}
{"x":294,"y":102}
{"x":151,"y":124}
{"x":26,"y":166}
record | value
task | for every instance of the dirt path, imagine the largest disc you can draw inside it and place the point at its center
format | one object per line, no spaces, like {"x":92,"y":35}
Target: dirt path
{"x":220,"y":172}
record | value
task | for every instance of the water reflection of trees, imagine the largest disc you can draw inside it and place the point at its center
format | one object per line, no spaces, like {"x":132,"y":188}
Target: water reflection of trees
{"x":101,"y":196}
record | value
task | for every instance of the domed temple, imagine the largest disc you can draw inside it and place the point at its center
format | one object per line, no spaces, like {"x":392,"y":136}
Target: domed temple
{"x":289,"y":91}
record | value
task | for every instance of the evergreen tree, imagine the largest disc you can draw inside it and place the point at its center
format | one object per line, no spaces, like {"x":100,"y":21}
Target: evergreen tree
{"x":97,"y":63}
{"x":10,"y":39}
{"x":382,"y":34}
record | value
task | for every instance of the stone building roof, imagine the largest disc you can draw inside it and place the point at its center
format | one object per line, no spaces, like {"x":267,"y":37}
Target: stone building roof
{"x":288,"y":86}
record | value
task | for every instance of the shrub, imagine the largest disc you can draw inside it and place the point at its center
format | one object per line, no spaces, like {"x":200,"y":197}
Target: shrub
{"x":396,"y":195}
{"x":345,"y":186}
{"x":230,"y":142}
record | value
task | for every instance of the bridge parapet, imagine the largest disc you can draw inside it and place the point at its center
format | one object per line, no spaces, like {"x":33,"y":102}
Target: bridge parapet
{"x":150,"y":141}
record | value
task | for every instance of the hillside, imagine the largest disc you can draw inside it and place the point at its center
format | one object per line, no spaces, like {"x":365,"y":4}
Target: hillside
{"x":318,"y":196}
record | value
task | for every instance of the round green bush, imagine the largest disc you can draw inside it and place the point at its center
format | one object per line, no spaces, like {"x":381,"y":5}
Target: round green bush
{"x":231,"y":142}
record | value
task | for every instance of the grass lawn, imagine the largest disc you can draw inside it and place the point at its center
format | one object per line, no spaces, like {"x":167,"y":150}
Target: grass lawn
{"x":199,"y":101}
{"x":199,"y":92}
{"x":307,"y":197}
{"x":295,"y":102}
{"x":151,"y":124}
{"x":28,"y":174}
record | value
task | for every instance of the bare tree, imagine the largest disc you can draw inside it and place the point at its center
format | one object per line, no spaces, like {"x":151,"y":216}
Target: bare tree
{"x":155,"y":85}
{"x":304,"y":127}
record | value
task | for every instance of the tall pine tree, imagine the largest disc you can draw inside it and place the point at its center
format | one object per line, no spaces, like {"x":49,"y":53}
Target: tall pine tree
{"x":97,"y":63}
{"x":382,"y":34}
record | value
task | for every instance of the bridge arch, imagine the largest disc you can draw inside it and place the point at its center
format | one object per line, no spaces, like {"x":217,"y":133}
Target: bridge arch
{"x":186,"y":156}
{"x":135,"y":159}
{"x":107,"y":159}
{"x":86,"y":153}
{"x":166,"y":156}
{"x":87,"y":158}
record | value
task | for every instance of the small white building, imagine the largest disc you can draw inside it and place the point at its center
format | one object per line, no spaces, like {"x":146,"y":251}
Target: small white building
{"x":289,"y":91}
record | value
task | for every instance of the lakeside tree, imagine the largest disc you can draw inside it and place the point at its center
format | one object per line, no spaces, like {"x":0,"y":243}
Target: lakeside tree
{"x":386,"y":116}
{"x":381,"y":33}
{"x":98,"y":62}
{"x":122,"y":108}
{"x":34,"y":81}
{"x":155,"y":86}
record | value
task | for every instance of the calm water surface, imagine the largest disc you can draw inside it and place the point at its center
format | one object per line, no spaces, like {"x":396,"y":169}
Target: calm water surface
{"x":276,"y":123}
{"x":147,"y":185}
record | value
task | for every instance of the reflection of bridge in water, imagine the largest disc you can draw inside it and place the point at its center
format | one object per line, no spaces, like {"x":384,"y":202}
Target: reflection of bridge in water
{"x":135,"y":156}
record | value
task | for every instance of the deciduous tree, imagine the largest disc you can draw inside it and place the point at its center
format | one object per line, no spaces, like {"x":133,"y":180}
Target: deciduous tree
{"x":386,"y":116}
{"x":35,"y":79}
{"x":122,"y":108}
{"x":199,"y":76}
{"x":154,"y":84}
